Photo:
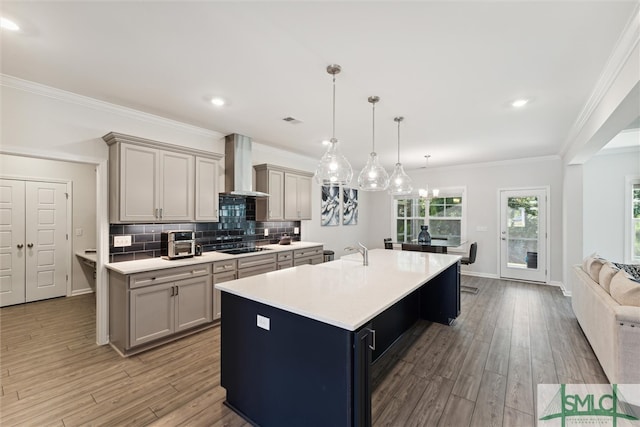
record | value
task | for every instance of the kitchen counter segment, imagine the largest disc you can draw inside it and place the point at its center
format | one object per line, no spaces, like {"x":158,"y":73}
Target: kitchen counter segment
{"x":140,"y":266}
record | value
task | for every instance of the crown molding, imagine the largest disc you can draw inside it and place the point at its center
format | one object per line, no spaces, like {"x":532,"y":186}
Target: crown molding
{"x":85,"y":101}
{"x":623,"y":49}
{"x":498,"y":163}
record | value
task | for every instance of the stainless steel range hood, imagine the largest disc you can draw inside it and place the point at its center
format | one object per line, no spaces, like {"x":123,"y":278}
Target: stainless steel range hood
{"x":238,"y":169}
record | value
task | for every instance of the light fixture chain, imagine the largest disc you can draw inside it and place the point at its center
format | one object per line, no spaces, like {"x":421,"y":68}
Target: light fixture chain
{"x":398,"y":141}
{"x":373,"y":139}
{"x":334,"y":109}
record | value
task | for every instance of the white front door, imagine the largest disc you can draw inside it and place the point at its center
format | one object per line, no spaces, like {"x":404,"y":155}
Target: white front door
{"x":46,"y":240}
{"x":12,"y":244}
{"x":523,"y":234}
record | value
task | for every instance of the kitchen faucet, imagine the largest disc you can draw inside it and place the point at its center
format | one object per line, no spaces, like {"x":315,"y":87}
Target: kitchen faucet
{"x":363,"y":251}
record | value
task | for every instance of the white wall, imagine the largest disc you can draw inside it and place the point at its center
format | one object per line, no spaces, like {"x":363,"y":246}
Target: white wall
{"x":483,"y":182}
{"x":604,"y":201}
{"x":83,"y":199}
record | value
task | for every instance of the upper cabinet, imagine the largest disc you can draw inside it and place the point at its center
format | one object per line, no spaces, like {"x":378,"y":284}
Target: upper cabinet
{"x":297,"y":200}
{"x":156,"y":182}
{"x":289,"y":190}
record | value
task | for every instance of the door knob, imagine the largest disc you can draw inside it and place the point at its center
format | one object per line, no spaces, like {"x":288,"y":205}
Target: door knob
{"x":29,"y":245}
{"x":20,"y":246}
{"x":504,"y":238}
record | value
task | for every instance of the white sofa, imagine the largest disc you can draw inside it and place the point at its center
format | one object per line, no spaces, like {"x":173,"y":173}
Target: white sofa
{"x":613,"y":330}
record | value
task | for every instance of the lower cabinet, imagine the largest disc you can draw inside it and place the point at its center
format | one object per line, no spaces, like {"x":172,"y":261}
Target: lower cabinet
{"x":158,"y":311}
{"x":217,"y":302}
{"x":151,"y":308}
{"x":313,"y":255}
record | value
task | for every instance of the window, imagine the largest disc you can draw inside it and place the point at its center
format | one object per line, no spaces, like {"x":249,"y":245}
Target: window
{"x":444,"y":215}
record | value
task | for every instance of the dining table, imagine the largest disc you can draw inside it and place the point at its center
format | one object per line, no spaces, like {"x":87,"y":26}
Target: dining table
{"x":436,"y":245}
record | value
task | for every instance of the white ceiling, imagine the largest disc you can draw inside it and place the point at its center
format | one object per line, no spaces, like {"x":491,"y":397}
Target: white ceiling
{"x":450,"y":68}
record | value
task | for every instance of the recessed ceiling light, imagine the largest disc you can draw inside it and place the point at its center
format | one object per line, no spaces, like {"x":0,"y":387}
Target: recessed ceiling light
{"x":8,"y":24}
{"x":219,"y":102}
{"x":519,"y":102}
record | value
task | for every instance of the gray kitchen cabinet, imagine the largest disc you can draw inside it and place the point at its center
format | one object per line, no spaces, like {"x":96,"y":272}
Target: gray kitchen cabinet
{"x":289,"y":190}
{"x":256,"y":264}
{"x":206,"y":189}
{"x":151,"y":181}
{"x":297,"y":200}
{"x":270,"y":180}
{"x":312,"y":255}
{"x":284,"y":260}
{"x":151,"y":308}
{"x":223,"y":271}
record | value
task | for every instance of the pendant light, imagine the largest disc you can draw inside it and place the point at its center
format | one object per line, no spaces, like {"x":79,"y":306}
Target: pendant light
{"x":424,"y":192}
{"x":399,"y":183}
{"x":373,"y":177}
{"x":334,"y":168}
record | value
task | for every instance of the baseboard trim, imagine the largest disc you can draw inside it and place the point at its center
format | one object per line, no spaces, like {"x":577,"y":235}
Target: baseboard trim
{"x":477,"y":274}
{"x":81,"y":292}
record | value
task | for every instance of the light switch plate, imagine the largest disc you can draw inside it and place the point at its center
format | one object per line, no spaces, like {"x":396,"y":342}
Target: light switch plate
{"x":121,"y":241}
{"x":264,"y":322}
{"x":266,"y":232}
{"x":296,"y":230}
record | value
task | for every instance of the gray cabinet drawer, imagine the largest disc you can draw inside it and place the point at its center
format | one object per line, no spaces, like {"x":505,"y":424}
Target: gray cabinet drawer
{"x":155,"y":277}
{"x":308,"y":252}
{"x":255,"y":270}
{"x":224,"y":266}
{"x":285,"y":256}
{"x":285,"y":264}
{"x":255,"y":260}
{"x":313,"y":260}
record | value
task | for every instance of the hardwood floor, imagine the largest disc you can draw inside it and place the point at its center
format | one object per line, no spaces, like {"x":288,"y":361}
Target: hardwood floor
{"x":482,"y":371}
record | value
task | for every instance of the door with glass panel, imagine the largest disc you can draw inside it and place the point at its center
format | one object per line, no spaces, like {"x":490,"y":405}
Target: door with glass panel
{"x":523,"y":234}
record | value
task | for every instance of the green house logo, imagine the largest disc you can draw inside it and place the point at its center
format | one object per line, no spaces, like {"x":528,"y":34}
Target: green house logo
{"x":581,"y":405}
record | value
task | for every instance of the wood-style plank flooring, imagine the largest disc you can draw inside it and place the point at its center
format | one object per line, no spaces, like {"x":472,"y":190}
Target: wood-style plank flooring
{"x":482,"y":371}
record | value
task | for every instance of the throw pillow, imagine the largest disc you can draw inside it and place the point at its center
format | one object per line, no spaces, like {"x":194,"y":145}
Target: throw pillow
{"x":594,"y":268}
{"x":624,"y":290}
{"x":587,"y":261}
{"x":632,"y":269}
{"x":606,"y":274}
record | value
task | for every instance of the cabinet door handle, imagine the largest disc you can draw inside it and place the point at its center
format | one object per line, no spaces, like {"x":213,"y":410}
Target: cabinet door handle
{"x":373,"y":338}
{"x":20,"y":246}
{"x":160,"y":213}
{"x":156,"y":213}
{"x":173,"y":291}
{"x":177,"y":290}
{"x":30,"y":245}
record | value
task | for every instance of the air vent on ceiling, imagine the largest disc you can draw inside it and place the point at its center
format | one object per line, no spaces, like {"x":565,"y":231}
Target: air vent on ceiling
{"x":292,"y":120}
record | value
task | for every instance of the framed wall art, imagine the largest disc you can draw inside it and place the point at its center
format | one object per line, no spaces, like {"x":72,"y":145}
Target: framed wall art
{"x":330,"y":206}
{"x":350,"y":206}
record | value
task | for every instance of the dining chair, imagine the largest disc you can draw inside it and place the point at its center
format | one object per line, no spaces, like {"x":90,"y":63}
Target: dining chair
{"x":388,"y":243}
{"x":468,"y":260}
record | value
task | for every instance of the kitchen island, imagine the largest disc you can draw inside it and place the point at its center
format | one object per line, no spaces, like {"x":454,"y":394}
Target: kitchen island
{"x":297,"y":344}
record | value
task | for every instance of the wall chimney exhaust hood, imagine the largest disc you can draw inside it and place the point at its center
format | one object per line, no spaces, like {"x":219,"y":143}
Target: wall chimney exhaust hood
{"x":238,"y":169}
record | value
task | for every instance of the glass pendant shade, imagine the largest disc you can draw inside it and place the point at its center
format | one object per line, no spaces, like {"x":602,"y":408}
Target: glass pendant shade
{"x":400,"y":183}
{"x":334,"y":168}
{"x":373,"y":177}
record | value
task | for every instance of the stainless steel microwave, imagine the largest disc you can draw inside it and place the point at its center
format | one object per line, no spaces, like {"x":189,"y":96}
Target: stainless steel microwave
{"x":177,"y":244}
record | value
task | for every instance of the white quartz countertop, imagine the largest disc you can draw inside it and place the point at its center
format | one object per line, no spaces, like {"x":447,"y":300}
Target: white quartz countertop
{"x":139,"y":266}
{"x":343,"y":293}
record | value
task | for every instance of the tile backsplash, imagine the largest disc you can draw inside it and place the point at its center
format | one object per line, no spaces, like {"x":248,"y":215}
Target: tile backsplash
{"x":236,"y":227}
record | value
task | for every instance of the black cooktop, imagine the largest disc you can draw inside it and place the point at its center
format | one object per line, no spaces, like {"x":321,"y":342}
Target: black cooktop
{"x":240,"y":251}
